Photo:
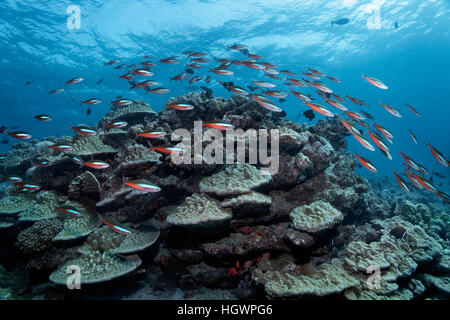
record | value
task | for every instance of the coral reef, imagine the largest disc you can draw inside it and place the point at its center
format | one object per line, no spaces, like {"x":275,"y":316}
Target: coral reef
{"x":314,"y":229}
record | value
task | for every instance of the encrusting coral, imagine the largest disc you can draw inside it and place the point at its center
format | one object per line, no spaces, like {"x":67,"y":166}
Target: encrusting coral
{"x":198,"y":211}
{"x":234,"y":180}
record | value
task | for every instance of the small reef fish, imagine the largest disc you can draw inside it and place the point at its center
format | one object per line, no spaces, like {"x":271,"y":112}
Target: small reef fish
{"x":413,"y":179}
{"x":392,"y":110}
{"x":158,"y":90}
{"x":112,"y":62}
{"x":414,"y":110}
{"x":92,"y":101}
{"x":309,"y":114}
{"x":322,"y":87}
{"x":334,"y":79}
{"x":368,"y":115}
{"x":70,"y":211}
{"x":375,"y":82}
{"x":77,"y":160}
{"x":401,"y":182}
{"x":276,"y":94}
{"x":264,"y":84}
{"x":56,"y":91}
{"x":336,"y":104}
{"x":340,"y":22}
{"x":2,"y":158}
{"x":357,"y":101}
{"x":167,"y":149}
{"x":219,"y":125}
{"x":115,"y":227}
{"x":43,"y":117}
{"x":20,"y":135}
{"x":86,"y":131}
{"x":385,"y":132}
{"x":148,"y":64}
{"x":425,"y":183}
{"x":238,"y":90}
{"x":438,"y":155}
{"x":127,"y":76}
{"x":74,"y":81}
{"x":122,"y":102}
{"x":366,"y":144}
{"x":311,"y":75}
{"x":153,"y":134}
{"x":316,"y":72}
{"x":194,"y":65}
{"x":195,"y":79}
{"x":301,"y":96}
{"x":354,"y":115}
{"x":170,"y":60}
{"x":366,"y":163}
{"x":222,"y":72}
{"x":96,"y":164}
{"x":297,"y":82}
{"x":413,"y":137}
{"x":28,"y":187}
{"x":13,"y":179}
{"x":319,"y":109}
{"x":146,"y":83}
{"x":142,"y":185}
{"x":180,"y":106}
{"x":143,"y":72}
{"x":268,"y":105}
{"x":60,"y":147}
{"x":116,"y":125}
{"x":238,"y":47}
{"x":410,"y":162}
{"x":43,"y":163}
{"x":378,"y":141}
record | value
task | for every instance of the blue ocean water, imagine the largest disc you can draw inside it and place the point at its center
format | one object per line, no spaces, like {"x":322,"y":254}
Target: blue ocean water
{"x":37,"y":45}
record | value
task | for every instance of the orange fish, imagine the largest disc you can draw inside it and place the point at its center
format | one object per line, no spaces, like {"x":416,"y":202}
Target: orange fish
{"x":142,"y":185}
{"x":375,"y":82}
{"x":150,"y":135}
{"x":219,"y":125}
{"x":181,"y":106}
{"x":96,"y":164}
{"x":392,"y":110}
{"x":319,"y":109}
{"x":401,"y":182}
{"x":438,"y":155}
{"x":168,"y":149}
{"x":366,"y":163}
{"x":20,"y":135}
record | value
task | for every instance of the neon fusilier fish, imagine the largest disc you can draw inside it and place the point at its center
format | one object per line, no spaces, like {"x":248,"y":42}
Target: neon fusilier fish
{"x":143,"y":72}
{"x":297,"y":82}
{"x":142,"y":185}
{"x":366,"y":163}
{"x":117,"y":124}
{"x":171,"y":60}
{"x":301,"y":96}
{"x":74,"y":81}
{"x":20,"y":135}
{"x":414,"y":110}
{"x":116,"y":227}
{"x":70,"y":211}
{"x":380,"y":144}
{"x":392,"y":110}
{"x":401,"y":182}
{"x":438,"y":155}
{"x":336,"y":104}
{"x":276,"y":94}
{"x":151,"y":135}
{"x":43,"y":117}
{"x":180,"y":106}
{"x":413,"y":137}
{"x":319,"y":109}
{"x":84,"y":130}
{"x":96,"y":164}
{"x":158,"y":90}
{"x":222,"y":72}
{"x":167,"y":149}
{"x":264,"y":84}
{"x":269,"y":105}
{"x":122,"y":102}
{"x":60,"y":147}
{"x":375,"y":82}
{"x":238,"y":90}
{"x":219,"y":125}
{"x":92,"y":101}
{"x":56,"y":91}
